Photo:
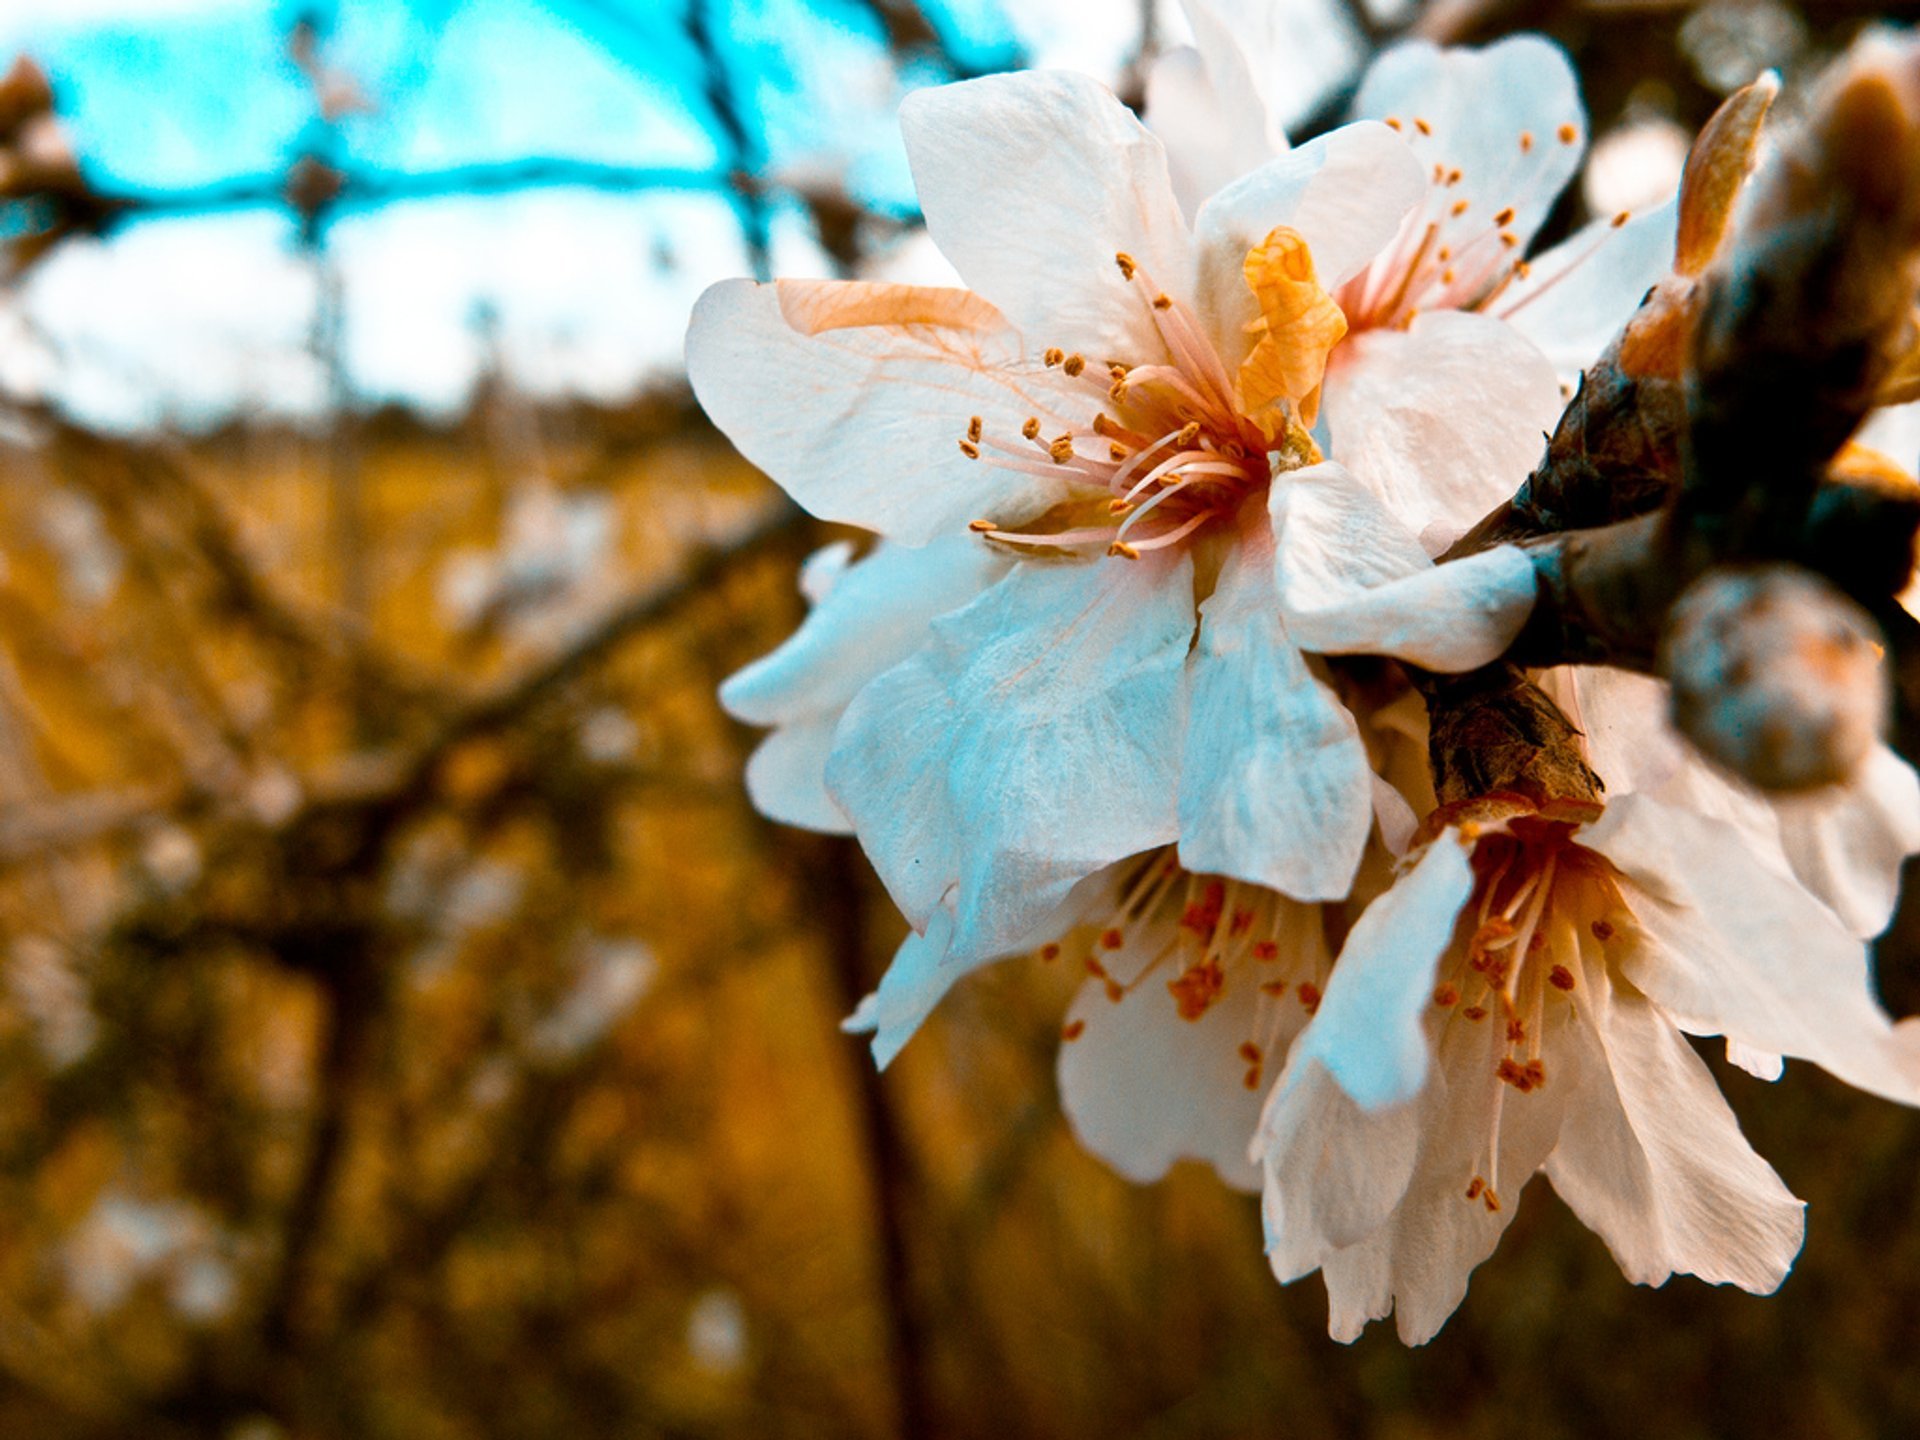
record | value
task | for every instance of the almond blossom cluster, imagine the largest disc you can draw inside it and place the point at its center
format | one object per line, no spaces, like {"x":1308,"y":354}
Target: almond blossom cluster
{"x":1202,"y":423}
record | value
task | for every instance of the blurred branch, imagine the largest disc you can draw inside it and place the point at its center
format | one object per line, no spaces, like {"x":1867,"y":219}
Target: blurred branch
{"x":372,"y":189}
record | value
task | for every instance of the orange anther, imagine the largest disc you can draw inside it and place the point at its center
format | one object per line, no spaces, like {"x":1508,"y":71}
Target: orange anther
{"x":1074,"y":364}
{"x":1073,"y":1029}
{"x":1560,"y":978}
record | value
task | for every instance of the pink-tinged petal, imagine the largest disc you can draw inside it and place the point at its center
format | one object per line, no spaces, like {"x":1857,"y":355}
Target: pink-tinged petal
{"x":1848,"y":846}
{"x":1145,"y":1086}
{"x":1333,"y":1170}
{"x":872,"y":615}
{"x":1367,"y":1032}
{"x":1206,"y":146}
{"x":1575,"y":297}
{"x":1496,"y":115}
{"x":1346,"y":193}
{"x":1033,"y":741}
{"x":1728,"y":947}
{"x":1442,"y":421}
{"x":1030,"y":183}
{"x":786,"y":776}
{"x":854,"y":397}
{"x":1274,"y":784}
{"x":1652,"y":1160}
{"x":1418,"y":1262}
{"x":1354,"y":581}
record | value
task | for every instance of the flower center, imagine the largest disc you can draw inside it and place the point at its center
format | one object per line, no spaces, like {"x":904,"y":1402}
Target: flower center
{"x":1542,"y":911}
{"x":1195,"y":937}
{"x":1449,"y":254}
{"x":1174,"y":444}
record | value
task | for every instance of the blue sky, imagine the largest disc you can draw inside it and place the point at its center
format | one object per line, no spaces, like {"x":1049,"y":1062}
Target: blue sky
{"x":186,"y":321}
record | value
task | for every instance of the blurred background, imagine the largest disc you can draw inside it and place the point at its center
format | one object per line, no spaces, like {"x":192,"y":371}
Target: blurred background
{"x":407,"y":1029}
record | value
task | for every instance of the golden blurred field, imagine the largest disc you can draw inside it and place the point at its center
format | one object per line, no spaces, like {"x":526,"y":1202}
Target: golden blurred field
{"x":401,"y":1037}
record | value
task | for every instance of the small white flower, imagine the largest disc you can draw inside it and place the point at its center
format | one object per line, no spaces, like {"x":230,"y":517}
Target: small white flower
{"x":1518,"y":1002}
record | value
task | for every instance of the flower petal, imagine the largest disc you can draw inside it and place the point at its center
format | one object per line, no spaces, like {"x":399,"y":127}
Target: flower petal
{"x":874,"y":614}
{"x":1651,"y":1158}
{"x":1274,"y":783}
{"x":1033,"y":741}
{"x":1030,"y":183}
{"x":1333,"y":1170}
{"x":925,"y":966}
{"x":1848,"y":846}
{"x":1575,"y":297}
{"x":1728,"y":947}
{"x":1345,"y":192}
{"x":1144,"y":1086}
{"x":1368,"y":1032}
{"x":1497,"y":115}
{"x":1353,"y":580}
{"x":1443,"y":420}
{"x":1418,"y":1262}
{"x":1197,"y":118}
{"x":853,"y":397}
{"x":786,"y":776}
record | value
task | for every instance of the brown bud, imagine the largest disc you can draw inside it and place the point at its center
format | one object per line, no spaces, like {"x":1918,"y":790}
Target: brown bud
{"x":1776,"y":676}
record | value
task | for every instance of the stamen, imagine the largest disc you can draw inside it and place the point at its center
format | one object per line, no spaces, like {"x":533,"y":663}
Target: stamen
{"x":1052,"y":356}
{"x":1074,"y":364}
{"x":1032,"y":428}
{"x":1073,"y":1030}
{"x":973,"y":429}
{"x":969,"y":449}
{"x":1126,"y":264}
{"x":1568,"y":134}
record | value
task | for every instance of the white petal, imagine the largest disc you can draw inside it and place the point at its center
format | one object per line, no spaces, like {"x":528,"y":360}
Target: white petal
{"x":1274,"y":783}
{"x":1035,"y":740}
{"x":1368,"y":1029}
{"x":1269,"y":62}
{"x":873,"y":615}
{"x":1478,"y":104}
{"x":1727,"y":947}
{"x":1635,"y":750}
{"x":1651,"y":1158}
{"x":1206,"y":145}
{"x":1346,"y":193}
{"x":1333,"y":1170}
{"x":853,"y":398}
{"x":925,"y":967}
{"x":1354,"y":581}
{"x":823,"y":569}
{"x":1420,"y":1259}
{"x":1442,"y":421}
{"x":1145,"y":1087}
{"x":1761,"y":1064}
{"x":1848,"y":846}
{"x":786,"y":777}
{"x":1030,"y":183}
{"x":1576,"y":297}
